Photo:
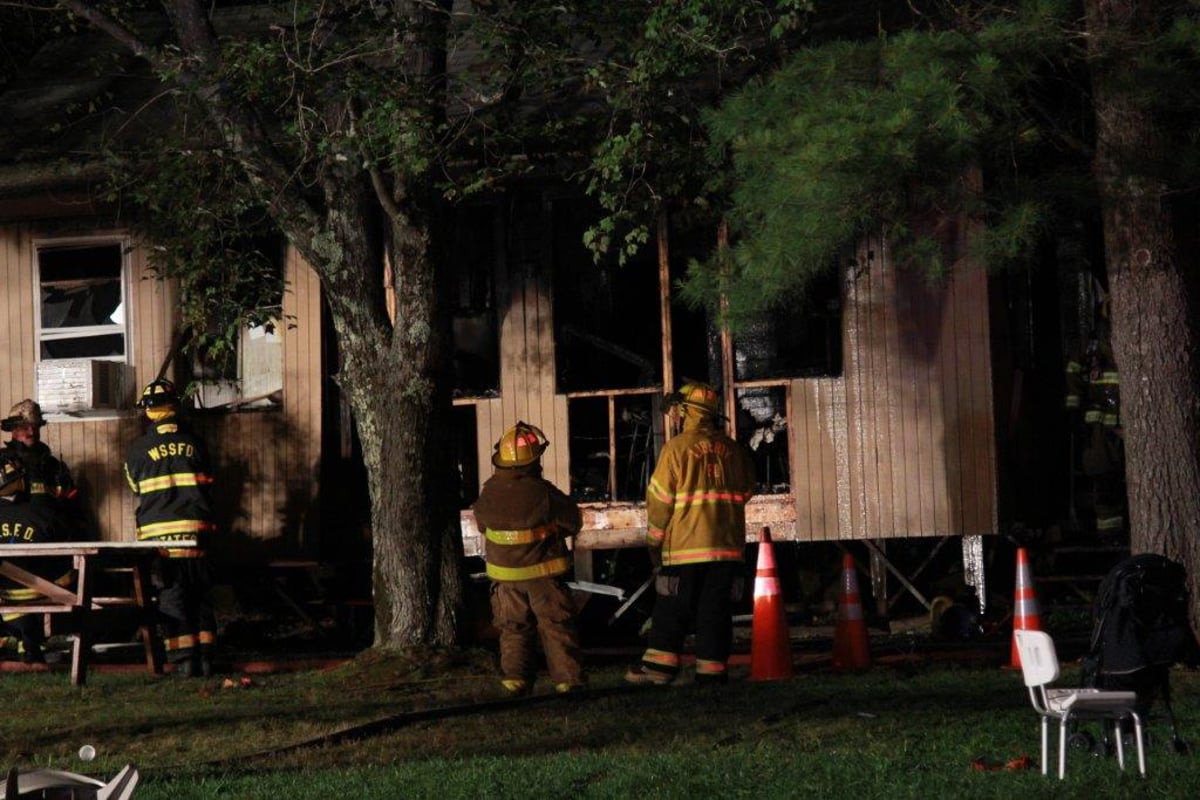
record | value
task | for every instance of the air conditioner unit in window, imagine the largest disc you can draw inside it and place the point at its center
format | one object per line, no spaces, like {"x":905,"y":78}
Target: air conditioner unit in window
{"x":83,"y":384}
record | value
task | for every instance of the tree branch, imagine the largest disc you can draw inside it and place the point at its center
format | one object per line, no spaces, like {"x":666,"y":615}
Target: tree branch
{"x":119,"y":33}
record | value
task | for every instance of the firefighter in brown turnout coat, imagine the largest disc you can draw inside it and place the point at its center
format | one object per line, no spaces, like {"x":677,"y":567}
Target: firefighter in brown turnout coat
{"x":696,"y":531}
{"x":168,"y":469}
{"x":526,"y":521}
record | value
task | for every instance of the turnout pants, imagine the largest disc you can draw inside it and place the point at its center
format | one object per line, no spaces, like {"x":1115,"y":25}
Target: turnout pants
{"x":699,"y":598}
{"x":543,"y":606}
{"x":185,"y":609}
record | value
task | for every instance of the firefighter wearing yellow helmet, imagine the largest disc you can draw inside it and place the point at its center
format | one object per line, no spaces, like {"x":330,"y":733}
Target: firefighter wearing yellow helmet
{"x":25,"y":522}
{"x":168,"y":469}
{"x":49,"y":480}
{"x":526,"y":522}
{"x":696,"y":532}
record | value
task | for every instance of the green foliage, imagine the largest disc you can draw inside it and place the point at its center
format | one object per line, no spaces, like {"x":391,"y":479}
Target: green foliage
{"x":609,"y":95}
{"x":854,"y":135}
{"x":203,"y":226}
{"x":664,"y":69}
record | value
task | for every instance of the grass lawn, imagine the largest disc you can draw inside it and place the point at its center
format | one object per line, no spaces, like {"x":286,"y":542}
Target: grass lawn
{"x":909,"y":729}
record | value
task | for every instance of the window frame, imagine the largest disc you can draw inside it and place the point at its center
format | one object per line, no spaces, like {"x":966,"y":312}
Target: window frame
{"x":125,"y":329}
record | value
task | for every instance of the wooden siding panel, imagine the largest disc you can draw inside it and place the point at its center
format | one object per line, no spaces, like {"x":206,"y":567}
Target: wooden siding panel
{"x":17,"y":328}
{"x":901,"y":397}
{"x":834,"y":492}
{"x":966,"y":431}
{"x":560,"y":451}
{"x":982,"y":419}
{"x":489,"y":427}
{"x":801,"y":465}
{"x":816,"y":405}
{"x":857,"y":440}
{"x":887,"y":422}
{"x":952,"y":418}
{"x":938,"y":523}
{"x":926,"y":316}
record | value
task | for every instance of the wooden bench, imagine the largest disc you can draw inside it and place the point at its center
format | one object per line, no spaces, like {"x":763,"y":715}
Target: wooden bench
{"x":77,"y":604}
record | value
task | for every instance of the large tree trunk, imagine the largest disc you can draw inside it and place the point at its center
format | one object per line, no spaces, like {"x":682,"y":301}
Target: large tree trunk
{"x":1154,"y":329}
{"x":397,"y":379}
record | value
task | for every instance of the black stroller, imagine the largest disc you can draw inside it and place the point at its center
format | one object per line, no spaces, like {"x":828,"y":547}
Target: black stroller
{"x":1140,"y":629}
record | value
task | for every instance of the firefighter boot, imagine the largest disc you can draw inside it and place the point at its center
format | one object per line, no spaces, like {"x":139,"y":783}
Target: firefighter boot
{"x":640,"y":674}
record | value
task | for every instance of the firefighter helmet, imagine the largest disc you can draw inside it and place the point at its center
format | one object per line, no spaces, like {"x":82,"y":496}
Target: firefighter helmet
{"x":693,"y":394}
{"x":12,"y":475}
{"x":26,"y":412}
{"x":159,"y":392}
{"x":521,"y":445}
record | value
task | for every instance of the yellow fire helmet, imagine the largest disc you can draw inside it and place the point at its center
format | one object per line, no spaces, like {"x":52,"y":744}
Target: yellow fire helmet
{"x":522,"y":444}
{"x":700,"y":396}
{"x":12,"y":475}
{"x":159,"y":392}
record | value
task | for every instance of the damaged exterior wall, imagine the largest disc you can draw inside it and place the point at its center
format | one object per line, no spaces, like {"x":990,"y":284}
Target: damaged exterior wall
{"x":901,"y":445}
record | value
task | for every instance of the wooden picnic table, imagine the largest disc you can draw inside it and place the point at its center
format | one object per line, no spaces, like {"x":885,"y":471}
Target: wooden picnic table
{"x":77,"y":603}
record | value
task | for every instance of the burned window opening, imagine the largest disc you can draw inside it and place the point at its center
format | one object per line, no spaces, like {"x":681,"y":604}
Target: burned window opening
{"x":634,"y":417}
{"x":800,"y":340}
{"x":607,"y":319}
{"x":762,"y":425}
{"x":473,"y":257}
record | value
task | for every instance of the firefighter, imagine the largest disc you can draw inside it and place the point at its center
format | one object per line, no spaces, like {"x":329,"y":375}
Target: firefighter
{"x":25,"y":522}
{"x":696,"y":532}
{"x":168,"y":469}
{"x":48,"y":478}
{"x":526,"y":522}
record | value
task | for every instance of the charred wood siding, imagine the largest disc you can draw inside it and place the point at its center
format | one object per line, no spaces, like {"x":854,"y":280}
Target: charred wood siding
{"x":903,"y":444}
{"x":527,"y":353}
{"x":266,"y":461}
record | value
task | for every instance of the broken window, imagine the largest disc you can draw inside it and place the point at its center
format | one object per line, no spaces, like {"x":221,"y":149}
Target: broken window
{"x":474,"y":244}
{"x":246,"y":373}
{"x":81,"y":326}
{"x":762,"y":425}
{"x":247,"y":376}
{"x":82,"y":313}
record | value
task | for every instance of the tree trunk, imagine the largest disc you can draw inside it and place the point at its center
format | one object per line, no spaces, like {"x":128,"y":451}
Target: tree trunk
{"x":1154,"y":329}
{"x":397,"y":380}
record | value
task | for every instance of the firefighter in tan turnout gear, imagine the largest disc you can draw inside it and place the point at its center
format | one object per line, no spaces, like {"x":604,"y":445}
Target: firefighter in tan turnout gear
{"x":526,"y":521}
{"x":696,"y":531}
{"x":168,"y":469}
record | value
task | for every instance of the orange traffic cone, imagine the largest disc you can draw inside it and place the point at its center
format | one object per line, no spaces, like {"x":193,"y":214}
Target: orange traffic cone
{"x":770,"y":650}
{"x":1025,"y":607}
{"x":851,"y":649}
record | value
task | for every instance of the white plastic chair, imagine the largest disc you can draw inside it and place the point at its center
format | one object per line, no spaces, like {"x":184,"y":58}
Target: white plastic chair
{"x":1039,"y":665}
